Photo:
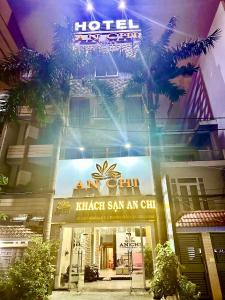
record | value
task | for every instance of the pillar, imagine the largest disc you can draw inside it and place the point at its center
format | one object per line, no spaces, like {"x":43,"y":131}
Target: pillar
{"x":211,"y":265}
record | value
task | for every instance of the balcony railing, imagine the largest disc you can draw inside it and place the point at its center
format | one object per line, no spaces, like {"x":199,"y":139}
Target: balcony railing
{"x":193,"y":155}
{"x":16,"y":153}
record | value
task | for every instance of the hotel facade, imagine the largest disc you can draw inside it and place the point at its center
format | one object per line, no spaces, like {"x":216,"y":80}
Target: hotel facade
{"x":104,"y":208}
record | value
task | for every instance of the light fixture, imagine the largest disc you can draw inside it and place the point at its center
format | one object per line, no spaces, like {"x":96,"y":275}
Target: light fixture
{"x":127,"y":146}
{"x":81,"y":149}
{"x":122,"y":5}
{"x":89,"y":6}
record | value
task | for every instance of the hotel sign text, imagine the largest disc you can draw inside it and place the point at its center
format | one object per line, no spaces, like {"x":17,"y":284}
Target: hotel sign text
{"x":115,"y":205}
{"x":106,"y":31}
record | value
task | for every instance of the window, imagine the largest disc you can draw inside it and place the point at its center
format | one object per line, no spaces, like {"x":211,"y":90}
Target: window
{"x":106,"y":66}
{"x":134,"y":110}
{"x":188,"y":194}
{"x":79,"y":112}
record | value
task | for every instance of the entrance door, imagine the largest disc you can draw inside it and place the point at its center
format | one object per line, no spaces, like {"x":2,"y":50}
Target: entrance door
{"x":218,"y":243}
{"x":115,"y":252}
{"x":107,"y":257}
{"x":192,"y":257}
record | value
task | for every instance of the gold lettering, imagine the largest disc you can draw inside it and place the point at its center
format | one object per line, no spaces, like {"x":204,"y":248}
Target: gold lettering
{"x":91,"y":206}
{"x":129,"y":205}
{"x":111,"y":183}
{"x":125,"y":183}
{"x":78,"y":206}
{"x":135,"y":182}
{"x":110,"y":205}
{"x":150,"y":203}
{"x":93,"y":184}
{"x":121,"y":204}
{"x":115,"y":206}
{"x":96,"y":206}
{"x":79,"y":186}
{"x":143,"y":204}
{"x":101,"y":205}
{"x":135,"y":204}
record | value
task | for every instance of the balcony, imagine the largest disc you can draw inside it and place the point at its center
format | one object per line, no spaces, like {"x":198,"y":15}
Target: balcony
{"x":36,"y":154}
{"x":25,"y":112}
{"x":193,"y":155}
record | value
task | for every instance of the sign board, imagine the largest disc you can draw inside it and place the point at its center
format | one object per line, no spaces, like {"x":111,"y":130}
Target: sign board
{"x":104,"y":209}
{"x":106,"y":32}
{"x":117,"y":176}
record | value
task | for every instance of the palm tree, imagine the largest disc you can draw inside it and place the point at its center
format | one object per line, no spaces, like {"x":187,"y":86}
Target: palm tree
{"x":154,"y":70}
{"x":36,"y":80}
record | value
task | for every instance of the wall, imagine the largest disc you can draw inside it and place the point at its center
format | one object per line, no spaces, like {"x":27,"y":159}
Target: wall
{"x":213,"y":71}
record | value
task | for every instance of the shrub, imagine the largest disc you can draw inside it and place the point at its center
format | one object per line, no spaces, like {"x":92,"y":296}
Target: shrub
{"x":31,"y":277}
{"x":187,"y":290}
{"x":167,"y":280}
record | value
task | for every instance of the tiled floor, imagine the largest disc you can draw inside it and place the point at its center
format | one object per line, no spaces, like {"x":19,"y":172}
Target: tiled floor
{"x":100,"y":296}
{"x":133,"y":281}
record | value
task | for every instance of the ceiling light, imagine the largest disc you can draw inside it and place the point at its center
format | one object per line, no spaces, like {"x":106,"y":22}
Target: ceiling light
{"x":122,"y":5}
{"x":81,"y":148}
{"x":89,"y":7}
{"x":127,"y":145}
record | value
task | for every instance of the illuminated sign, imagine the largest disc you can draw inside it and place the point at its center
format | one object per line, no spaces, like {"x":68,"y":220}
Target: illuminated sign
{"x":104,"y":209}
{"x":106,"y":25}
{"x":106,"y":31}
{"x":106,"y":171}
{"x":73,"y":177}
{"x":115,"y":205}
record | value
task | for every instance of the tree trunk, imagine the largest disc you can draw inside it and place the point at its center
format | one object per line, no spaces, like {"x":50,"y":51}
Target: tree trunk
{"x":155,"y":159}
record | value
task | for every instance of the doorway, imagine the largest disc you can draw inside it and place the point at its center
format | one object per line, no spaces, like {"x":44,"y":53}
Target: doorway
{"x":116,"y":253}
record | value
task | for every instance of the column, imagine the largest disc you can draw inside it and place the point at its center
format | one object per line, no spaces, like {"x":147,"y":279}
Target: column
{"x":211,"y":265}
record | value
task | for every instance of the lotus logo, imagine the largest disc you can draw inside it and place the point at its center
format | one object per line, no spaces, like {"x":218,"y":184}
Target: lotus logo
{"x":63,"y":205}
{"x":106,"y":172}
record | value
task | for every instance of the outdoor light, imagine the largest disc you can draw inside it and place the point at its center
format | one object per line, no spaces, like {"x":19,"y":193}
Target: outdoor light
{"x":81,"y":148}
{"x":89,"y":7}
{"x":127,"y":146}
{"x":122,"y":5}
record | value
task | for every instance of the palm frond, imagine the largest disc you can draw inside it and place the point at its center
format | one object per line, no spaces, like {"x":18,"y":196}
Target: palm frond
{"x":170,"y":90}
{"x":186,"y":70}
{"x":19,"y":66}
{"x":194,"y":48}
{"x":165,"y":38}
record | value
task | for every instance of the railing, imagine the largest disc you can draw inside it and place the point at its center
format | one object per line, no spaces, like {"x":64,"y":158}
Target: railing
{"x":193,"y":155}
{"x":35,"y":151}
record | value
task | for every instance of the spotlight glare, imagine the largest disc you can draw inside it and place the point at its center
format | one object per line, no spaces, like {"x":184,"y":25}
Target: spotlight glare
{"x":122,"y":5}
{"x":81,"y":148}
{"x":127,"y":146}
{"x":89,"y":7}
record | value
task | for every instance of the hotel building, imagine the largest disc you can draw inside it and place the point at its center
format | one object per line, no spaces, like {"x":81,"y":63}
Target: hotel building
{"x":104,"y":209}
